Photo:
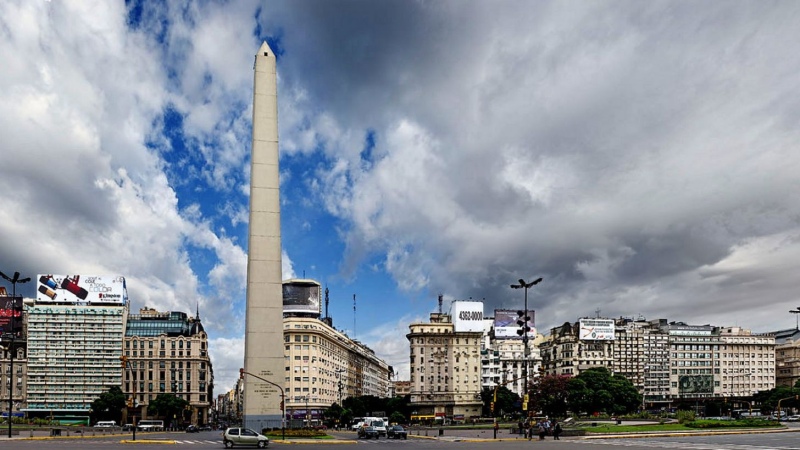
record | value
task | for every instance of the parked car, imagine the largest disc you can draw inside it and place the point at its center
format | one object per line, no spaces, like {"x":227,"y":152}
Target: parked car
{"x":127,"y":427}
{"x":243,"y":436}
{"x":192,"y":429}
{"x":793,"y":418}
{"x":397,"y":432}
{"x":368,"y":432}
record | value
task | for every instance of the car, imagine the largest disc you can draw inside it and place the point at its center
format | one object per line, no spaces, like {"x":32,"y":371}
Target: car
{"x":127,"y":427}
{"x":243,"y":436}
{"x":397,"y":432}
{"x":357,"y":426}
{"x":205,"y":428}
{"x":368,"y":432}
{"x":794,"y":418}
{"x":192,"y":429}
{"x":379,"y":425}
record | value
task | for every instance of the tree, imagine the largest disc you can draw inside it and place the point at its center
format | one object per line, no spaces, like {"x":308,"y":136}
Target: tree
{"x":507,"y":401}
{"x":109,"y":405}
{"x":549,"y":395}
{"x":597,"y":391}
{"x":168,"y":407}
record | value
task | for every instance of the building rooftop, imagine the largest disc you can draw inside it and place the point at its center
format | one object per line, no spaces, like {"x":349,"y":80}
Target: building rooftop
{"x":151,"y":323}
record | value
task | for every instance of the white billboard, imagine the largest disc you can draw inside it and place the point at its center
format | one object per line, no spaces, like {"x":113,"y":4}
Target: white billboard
{"x":81,"y":289}
{"x":596,"y":329}
{"x":506,"y":327}
{"x":467,"y":316}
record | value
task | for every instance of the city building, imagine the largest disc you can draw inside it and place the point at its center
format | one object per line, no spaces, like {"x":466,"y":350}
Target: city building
{"x":746,"y":361}
{"x":167,"y":353}
{"x":641,"y":354}
{"x":323,"y":365}
{"x":402,"y":388}
{"x":13,"y":354}
{"x":573,"y":348}
{"x":74,"y":328}
{"x":445,"y":365}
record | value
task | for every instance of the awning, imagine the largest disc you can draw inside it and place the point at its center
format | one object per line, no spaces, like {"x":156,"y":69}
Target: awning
{"x":422,"y":416}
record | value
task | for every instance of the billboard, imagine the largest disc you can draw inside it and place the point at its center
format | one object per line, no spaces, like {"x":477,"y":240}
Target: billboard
{"x":596,"y":329}
{"x":467,"y":316}
{"x":505,"y":324}
{"x":695,"y":384}
{"x":10,"y":315}
{"x":106,"y":289}
{"x":301,"y":296}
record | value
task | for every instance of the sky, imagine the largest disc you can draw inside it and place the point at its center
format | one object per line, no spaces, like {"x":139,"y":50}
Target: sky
{"x":641,"y":157}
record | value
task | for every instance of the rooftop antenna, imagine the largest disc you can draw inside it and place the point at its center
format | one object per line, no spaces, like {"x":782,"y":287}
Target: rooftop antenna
{"x":354,"y":316}
{"x":304,"y":273}
{"x":440,"y":303}
{"x":326,"y":301}
{"x":597,"y":313}
{"x":198,"y":311}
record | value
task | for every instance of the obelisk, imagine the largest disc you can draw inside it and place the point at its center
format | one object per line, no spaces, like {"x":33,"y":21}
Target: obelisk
{"x":263,"y":342}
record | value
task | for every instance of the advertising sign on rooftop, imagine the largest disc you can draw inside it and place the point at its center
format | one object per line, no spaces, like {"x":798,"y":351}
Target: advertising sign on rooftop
{"x":506,"y":326}
{"x":467,"y":316}
{"x":301,"y":296}
{"x":81,"y":289}
{"x":596,"y":329}
{"x":10,"y":315}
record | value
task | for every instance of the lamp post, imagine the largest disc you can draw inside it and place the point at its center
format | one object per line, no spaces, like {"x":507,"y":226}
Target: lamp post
{"x":339,"y":373}
{"x":10,"y":350}
{"x":796,"y":319}
{"x":126,"y":365}
{"x":524,"y":328}
{"x":14,"y":280}
{"x":242,"y":373}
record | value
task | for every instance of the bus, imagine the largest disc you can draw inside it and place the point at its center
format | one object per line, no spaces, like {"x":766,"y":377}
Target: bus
{"x":150,"y":425}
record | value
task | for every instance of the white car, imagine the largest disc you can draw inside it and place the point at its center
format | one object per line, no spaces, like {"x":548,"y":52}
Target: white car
{"x":793,"y":418}
{"x":357,"y":426}
{"x":379,"y":426}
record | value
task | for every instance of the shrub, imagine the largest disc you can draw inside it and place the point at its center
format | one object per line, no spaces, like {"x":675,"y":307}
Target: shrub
{"x":685,"y":416}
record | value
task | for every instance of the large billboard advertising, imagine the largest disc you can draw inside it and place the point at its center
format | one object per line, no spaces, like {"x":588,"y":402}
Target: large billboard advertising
{"x":467,"y":316}
{"x":81,"y":289}
{"x":506,"y":327}
{"x":10,"y":315}
{"x":596,"y":329}
{"x":301,"y":296}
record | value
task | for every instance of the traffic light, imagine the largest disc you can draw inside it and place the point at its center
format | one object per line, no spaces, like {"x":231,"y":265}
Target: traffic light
{"x":523,"y":321}
{"x":123,"y":361}
{"x":130,"y":402}
{"x":281,"y":405}
{"x":241,"y":374}
{"x":491,"y":406}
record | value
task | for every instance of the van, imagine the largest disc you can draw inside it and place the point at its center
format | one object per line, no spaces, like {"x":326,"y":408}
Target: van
{"x":106,"y":424}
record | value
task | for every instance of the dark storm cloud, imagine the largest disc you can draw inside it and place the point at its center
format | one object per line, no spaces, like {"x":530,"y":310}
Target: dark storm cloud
{"x":622,"y":150}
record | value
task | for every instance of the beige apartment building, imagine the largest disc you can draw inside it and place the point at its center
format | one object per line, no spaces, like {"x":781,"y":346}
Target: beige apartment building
{"x":167,"y":353}
{"x":324,"y":366}
{"x":445,"y":371}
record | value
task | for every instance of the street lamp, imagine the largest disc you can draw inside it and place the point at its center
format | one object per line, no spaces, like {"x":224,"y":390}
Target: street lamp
{"x":14,"y":280}
{"x":796,"y":321}
{"x":339,"y":373}
{"x":524,"y":329}
{"x":10,"y":350}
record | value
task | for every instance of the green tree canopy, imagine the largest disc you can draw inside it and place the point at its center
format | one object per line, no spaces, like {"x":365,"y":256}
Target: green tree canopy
{"x":109,"y":405}
{"x":507,"y":401}
{"x":596,"y":390}
{"x":168,"y":407}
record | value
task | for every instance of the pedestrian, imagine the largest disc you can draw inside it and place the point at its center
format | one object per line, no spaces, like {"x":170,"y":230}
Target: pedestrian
{"x":542,"y":431}
{"x":556,"y":430}
{"x":519,"y":427}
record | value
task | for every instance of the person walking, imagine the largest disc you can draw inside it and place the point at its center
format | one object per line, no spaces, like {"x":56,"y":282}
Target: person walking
{"x":556,"y":430}
{"x":542,"y":431}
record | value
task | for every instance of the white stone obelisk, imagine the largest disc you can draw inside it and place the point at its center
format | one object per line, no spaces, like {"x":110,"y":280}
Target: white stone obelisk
{"x":263,"y":344}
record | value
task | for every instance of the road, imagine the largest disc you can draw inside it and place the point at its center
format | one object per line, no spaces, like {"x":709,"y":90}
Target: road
{"x":345,"y":441}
